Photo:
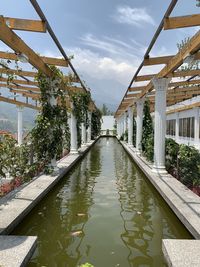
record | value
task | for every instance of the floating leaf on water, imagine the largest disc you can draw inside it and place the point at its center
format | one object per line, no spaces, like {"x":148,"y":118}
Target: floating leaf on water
{"x":112,"y":252}
{"x":81,"y":214}
{"x":77,"y":233}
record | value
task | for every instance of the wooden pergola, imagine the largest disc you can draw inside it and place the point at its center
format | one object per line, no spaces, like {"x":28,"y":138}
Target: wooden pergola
{"x":177,"y":90}
{"x":24,"y":84}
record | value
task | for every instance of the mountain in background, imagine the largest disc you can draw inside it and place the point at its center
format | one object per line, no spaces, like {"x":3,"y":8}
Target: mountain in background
{"x":8,"y":118}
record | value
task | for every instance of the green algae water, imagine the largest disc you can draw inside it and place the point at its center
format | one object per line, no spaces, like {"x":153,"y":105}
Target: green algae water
{"x":104,"y":212}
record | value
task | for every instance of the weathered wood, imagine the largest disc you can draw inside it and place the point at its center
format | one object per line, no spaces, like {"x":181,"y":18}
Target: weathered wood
{"x":2,"y":79}
{"x":192,"y":46}
{"x":18,"y":72}
{"x":18,"y":103}
{"x":19,"y":46}
{"x":181,"y":22}
{"x":187,"y":107}
{"x":48,"y":60}
{"x":34,"y":89}
{"x":157,"y":60}
{"x":25,"y":24}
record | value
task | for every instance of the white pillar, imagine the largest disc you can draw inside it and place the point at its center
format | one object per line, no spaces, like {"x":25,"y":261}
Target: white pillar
{"x":83,"y":134}
{"x":177,"y":127}
{"x":118,"y":127}
{"x":139,"y":122}
{"x":89,"y":128}
{"x":160,"y":86}
{"x":20,"y":125}
{"x":124,"y":120}
{"x":196,"y":127}
{"x":73,"y":136}
{"x":121,"y":125}
{"x":130,"y":126}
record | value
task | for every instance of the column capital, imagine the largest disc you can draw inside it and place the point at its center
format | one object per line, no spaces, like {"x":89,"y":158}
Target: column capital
{"x":140,"y":102}
{"x":160,"y":84}
{"x":20,"y":108}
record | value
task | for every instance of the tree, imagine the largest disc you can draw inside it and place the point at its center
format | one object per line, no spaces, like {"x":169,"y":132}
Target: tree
{"x":105,"y":111}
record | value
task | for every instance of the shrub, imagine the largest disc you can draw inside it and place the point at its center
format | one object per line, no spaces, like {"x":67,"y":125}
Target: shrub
{"x":189,"y":165}
{"x":171,"y":154}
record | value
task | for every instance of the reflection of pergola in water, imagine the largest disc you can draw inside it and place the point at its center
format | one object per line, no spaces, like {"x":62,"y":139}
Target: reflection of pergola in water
{"x":144,"y":229}
{"x":80,"y":186}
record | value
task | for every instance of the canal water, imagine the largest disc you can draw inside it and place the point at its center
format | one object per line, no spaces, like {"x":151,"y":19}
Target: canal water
{"x":104,"y":212}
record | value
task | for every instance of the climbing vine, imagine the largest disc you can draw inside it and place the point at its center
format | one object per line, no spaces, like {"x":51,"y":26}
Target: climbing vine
{"x":51,"y":132}
{"x":96,"y":123}
{"x":80,"y":102}
{"x":147,"y":132}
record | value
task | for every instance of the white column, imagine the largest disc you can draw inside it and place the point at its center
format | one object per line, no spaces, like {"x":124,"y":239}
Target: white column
{"x":130,"y":126}
{"x":196,"y":127}
{"x":124,"y":119}
{"x":118,"y":127}
{"x":73,"y":136}
{"x":20,"y":125}
{"x":83,"y":134}
{"x":177,"y":127}
{"x":139,"y":122}
{"x":89,"y":128}
{"x":121,"y":125}
{"x":160,"y":86}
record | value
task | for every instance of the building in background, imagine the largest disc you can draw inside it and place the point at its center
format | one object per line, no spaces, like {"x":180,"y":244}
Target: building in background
{"x":108,"y":126}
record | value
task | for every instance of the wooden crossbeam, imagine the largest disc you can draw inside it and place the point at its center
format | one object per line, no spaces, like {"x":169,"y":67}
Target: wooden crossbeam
{"x":192,"y":46}
{"x":25,"y":24}
{"x":182,"y":73}
{"x":181,"y":22}
{"x":132,"y":95}
{"x":18,"y":72}
{"x":163,"y":60}
{"x":48,"y":60}
{"x":12,"y":86}
{"x":194,"y":105}
{"x":2,"y":79}
{"x":18,"y":103}
{"x":19,"y":46}
{"x":25,"y":94}
{"x":157,"y":60}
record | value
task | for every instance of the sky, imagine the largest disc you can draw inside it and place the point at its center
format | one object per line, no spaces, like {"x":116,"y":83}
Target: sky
{"x":108,"y":38}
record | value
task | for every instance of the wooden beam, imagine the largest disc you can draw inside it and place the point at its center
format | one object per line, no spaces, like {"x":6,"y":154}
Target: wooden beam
{"x":48,"y":60}
{"x":192,"y":46}
{"x":194,"y":105}
{"x":157,"y":60}
{"x":18,"y":103}
{"x":19,"y":46}
{"x":25,"y":94}
{"x":135,"y":89}
{"x":18,"y":72}
{"x":2,"y":79}
{"x":143,"y":78}
{"x":26,"y":24}
{"x":182,"y":22}
{"x":132,"y":95}
{"x":12,"y":86}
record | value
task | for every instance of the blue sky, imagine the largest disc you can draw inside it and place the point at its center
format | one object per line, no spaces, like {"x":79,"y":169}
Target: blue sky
{"x":108,"y":38}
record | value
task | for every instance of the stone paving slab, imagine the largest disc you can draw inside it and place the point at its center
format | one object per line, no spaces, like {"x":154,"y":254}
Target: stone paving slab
{"x":17,"y":204}
{"x":16,"y":251}
{"x":184,"y":203}
{"x":181,"y":253}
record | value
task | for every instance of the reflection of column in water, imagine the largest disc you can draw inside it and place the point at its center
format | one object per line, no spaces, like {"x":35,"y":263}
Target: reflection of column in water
{"x":134,"y":220}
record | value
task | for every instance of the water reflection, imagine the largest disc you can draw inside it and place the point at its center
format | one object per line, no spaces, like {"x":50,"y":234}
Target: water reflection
{"x":104,"y":213}
{"x":143,"y":214}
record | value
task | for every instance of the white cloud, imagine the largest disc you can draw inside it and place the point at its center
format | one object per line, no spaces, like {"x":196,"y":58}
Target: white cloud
{"x":133,"y":16}
{"x":114,"y":47}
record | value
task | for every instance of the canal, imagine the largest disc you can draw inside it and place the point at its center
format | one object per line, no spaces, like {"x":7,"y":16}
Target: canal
{"x":104,"y":212}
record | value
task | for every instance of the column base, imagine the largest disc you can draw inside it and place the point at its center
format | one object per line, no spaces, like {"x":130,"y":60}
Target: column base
{"x":138,"y":152}
{"x":159,"y":169}
{"x":73,"y":151}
